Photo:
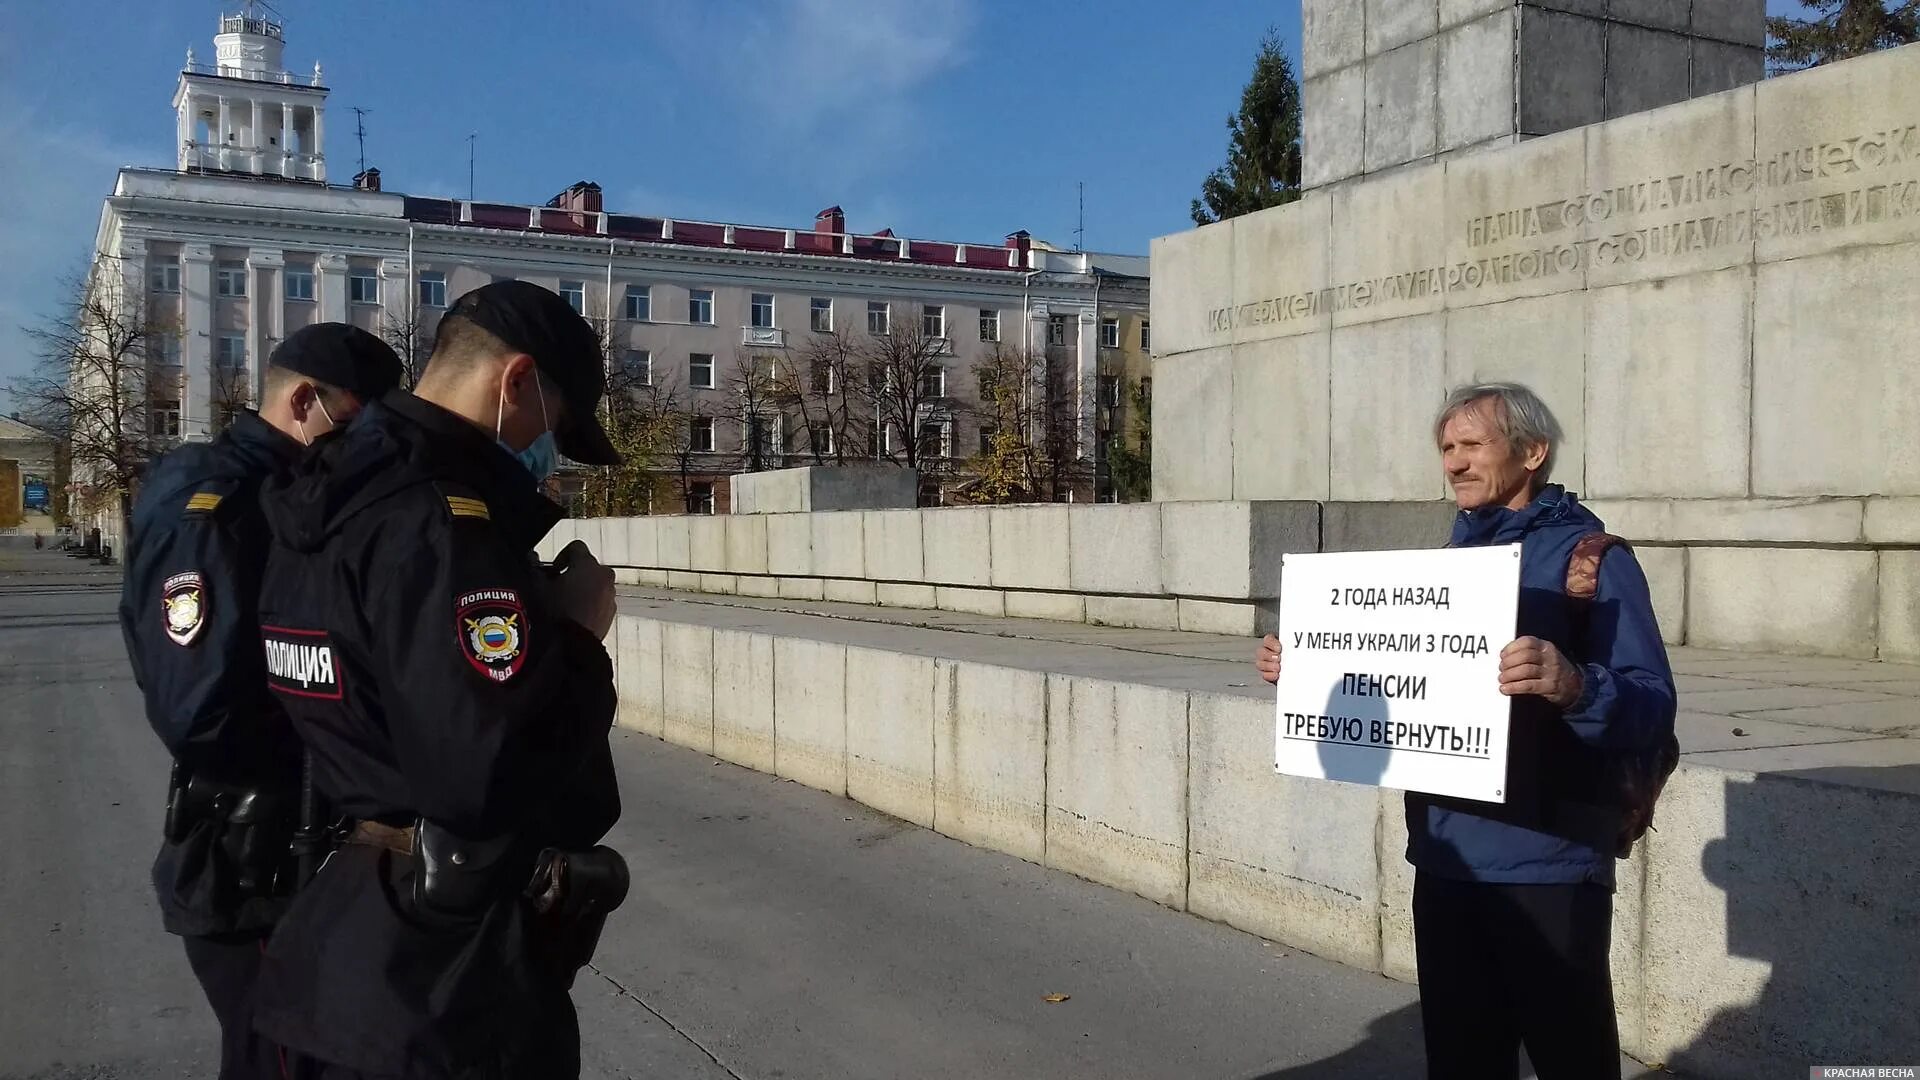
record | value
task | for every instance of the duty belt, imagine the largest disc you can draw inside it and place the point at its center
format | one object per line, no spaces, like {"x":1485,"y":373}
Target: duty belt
{"x":392,"y":838}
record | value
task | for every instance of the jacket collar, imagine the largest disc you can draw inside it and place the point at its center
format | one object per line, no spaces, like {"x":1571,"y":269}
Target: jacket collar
{"x":1502,"y":525}
{"x":261,"y":443}
{"x":469,"y":456}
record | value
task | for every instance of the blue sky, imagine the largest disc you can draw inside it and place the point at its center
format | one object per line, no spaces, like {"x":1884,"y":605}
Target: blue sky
{"x":950,"y":119}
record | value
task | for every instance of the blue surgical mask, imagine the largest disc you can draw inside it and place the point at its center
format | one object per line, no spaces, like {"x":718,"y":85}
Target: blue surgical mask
{"x":542,"y":455}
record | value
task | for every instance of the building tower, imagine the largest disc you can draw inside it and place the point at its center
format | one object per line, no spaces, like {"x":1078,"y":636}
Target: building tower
{"x":245,"y":114}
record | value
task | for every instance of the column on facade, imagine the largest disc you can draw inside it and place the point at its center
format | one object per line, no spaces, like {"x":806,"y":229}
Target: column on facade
{"x":221,"y":136}
{"x":1088,"y":379}
{"x":183,"y":128}
{"x":286,"y":140}
{"x":319,"y":147}
{"x":399,"y":308}
{"x":266,"y":313}
{"x":331,"y":274}
{"x":259,"y":139}
{"x":196,"y":342}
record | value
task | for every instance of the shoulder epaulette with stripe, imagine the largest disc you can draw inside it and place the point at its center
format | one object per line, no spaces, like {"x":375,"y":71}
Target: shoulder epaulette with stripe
{"x":208,"y":495}
{"x":463,"y":503}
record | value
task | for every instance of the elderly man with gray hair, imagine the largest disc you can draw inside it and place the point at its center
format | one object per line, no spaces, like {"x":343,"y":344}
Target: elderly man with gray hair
{"x":1513,"y":902}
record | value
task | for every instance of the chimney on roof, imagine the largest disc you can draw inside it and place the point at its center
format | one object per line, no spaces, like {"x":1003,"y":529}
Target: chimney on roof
{"x":831,"y":220}
{"x":582,"y":196}
{"x":886,"y":232}
{"x":1021,"y":241}
{"x":367,"y":181}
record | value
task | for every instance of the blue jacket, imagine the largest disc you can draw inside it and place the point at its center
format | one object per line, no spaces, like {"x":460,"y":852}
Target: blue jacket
{"x":1555,"y":827}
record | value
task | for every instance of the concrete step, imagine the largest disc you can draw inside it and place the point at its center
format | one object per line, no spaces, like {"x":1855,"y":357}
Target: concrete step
{"x":1745,"y":926}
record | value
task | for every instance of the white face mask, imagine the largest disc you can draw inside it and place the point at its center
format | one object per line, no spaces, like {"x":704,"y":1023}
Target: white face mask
{"x":297,"y":422}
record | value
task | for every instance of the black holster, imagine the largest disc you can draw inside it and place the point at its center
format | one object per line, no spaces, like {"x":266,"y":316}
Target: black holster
{"x":252,"y":826}
{"x":571,"y":894}
{"x":456,"y":876}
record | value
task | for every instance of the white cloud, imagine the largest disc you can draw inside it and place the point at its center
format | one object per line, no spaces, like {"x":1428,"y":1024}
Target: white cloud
{"x":829,"y":87}
{"x":57,"y":177}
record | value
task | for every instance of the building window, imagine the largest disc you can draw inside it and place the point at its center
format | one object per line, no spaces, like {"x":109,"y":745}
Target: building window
{"x":1057,"y":329}
{"x":163,"y":418}
{"x":700,"y":434}
{"x":879,"y":318}
{"x":164,"y":350}
{"x":1146,"y":390}
{"x":824,"y":381}
{"x":935,"y":439}
{"x":230,"y":350}
{"x":230,"y":279}
{"x":762,"y":311}
{"x":989,"y":324}
{"x":700,"y":497}
{"x":700,"y":370}
{"x":575,"y":294}
{"x":929,"y":494}
{"x":933,"y":383}
{"x":820,"y":437}
{"x":637,"y":366}
{"x":760,"y":440}
{"x":1110,"y":391}
{"x":700,"y":307}
{"x":933,"y":320}
{"x":433,"y":290}
{"x":1109,"y":333}
{"x":1146,"y":336}
{"x":166,"y":277}
{"x":298,"y":281}
{"x":987,"y":432}
{"x":639,"y":303}
{"x":363,"y":287}
{"x":821,"y":315}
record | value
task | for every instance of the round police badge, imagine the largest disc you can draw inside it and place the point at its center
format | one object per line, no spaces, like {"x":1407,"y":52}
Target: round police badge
{"x":183,"y":601}
{"x":492,"y":626}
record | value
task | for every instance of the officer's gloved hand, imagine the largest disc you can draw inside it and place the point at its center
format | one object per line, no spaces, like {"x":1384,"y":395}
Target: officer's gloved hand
{"x":583,"y":589}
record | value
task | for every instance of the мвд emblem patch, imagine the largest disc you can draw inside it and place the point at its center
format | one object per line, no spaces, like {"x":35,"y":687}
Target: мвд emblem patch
{"x":183,"y":601}
{"x":492,"y":625}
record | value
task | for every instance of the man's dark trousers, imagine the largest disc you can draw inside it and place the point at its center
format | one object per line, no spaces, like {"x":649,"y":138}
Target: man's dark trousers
{"x":1503,"y":965}
{"x":227,"y":966}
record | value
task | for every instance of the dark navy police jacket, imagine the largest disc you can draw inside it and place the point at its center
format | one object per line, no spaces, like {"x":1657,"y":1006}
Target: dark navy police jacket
{"x":1554,"y":827}
{"x":410,"y":635}
{"x":187,"y":610}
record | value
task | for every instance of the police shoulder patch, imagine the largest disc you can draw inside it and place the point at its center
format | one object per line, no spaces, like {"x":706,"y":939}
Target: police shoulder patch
{"x":183,"y":605}
{"x":492,"y":628}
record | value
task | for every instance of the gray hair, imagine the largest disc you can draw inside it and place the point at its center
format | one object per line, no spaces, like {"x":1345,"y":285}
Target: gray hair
{"x":1518,"y":412}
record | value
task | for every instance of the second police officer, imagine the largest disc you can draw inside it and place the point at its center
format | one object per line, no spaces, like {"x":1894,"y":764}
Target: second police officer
{"x":198,"y":548}
{"x":457,"y":702}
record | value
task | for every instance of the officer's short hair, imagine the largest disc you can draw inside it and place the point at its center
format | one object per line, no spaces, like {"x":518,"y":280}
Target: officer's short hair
{"x":459,"y":344}
{"x":278,"y":380}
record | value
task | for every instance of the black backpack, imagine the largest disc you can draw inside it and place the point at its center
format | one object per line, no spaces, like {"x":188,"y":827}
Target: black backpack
{"x":1635,"y":777}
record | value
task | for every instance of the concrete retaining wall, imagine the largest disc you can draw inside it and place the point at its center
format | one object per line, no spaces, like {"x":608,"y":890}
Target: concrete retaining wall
{"x":1770,"y":918}
{"x":1843,"y":575}
{"x":853,"y":486}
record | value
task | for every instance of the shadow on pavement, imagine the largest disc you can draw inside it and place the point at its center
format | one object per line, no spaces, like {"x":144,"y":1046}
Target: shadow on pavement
{"x":1392,"y":1048}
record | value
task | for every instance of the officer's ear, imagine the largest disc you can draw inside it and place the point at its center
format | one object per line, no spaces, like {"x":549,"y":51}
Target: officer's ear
{"x":301,"y":401}
{"x":517,"y":378}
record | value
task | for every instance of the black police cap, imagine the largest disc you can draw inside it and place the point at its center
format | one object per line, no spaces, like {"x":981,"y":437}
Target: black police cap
{"x":340,"y":355}
{"x":564,"y":347}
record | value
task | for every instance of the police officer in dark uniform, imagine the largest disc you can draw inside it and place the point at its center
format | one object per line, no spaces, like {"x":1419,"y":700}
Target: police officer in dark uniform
{"x":457,"y":700}
{"x":198,"y":548}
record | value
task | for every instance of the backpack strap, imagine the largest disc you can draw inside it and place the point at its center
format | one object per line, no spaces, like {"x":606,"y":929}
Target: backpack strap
{"x":1583,"y":566}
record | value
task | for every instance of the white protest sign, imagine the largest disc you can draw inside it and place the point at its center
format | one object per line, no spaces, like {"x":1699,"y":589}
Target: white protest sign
{"x":1390,"y":668}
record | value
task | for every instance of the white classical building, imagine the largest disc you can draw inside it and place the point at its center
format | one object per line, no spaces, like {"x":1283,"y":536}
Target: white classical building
{"x":243,"y":240}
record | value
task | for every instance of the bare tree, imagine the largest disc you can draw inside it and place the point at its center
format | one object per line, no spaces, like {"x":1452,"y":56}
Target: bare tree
{"x":230,"y":392}
{"x":905,"y":376}
{"x":822,"y":387}
{"x":1037,"y":409}
{"x":95,"y":386}
{"x":408,"y":334}
{"x":646,"y":423}
{"x":755,"y":401}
